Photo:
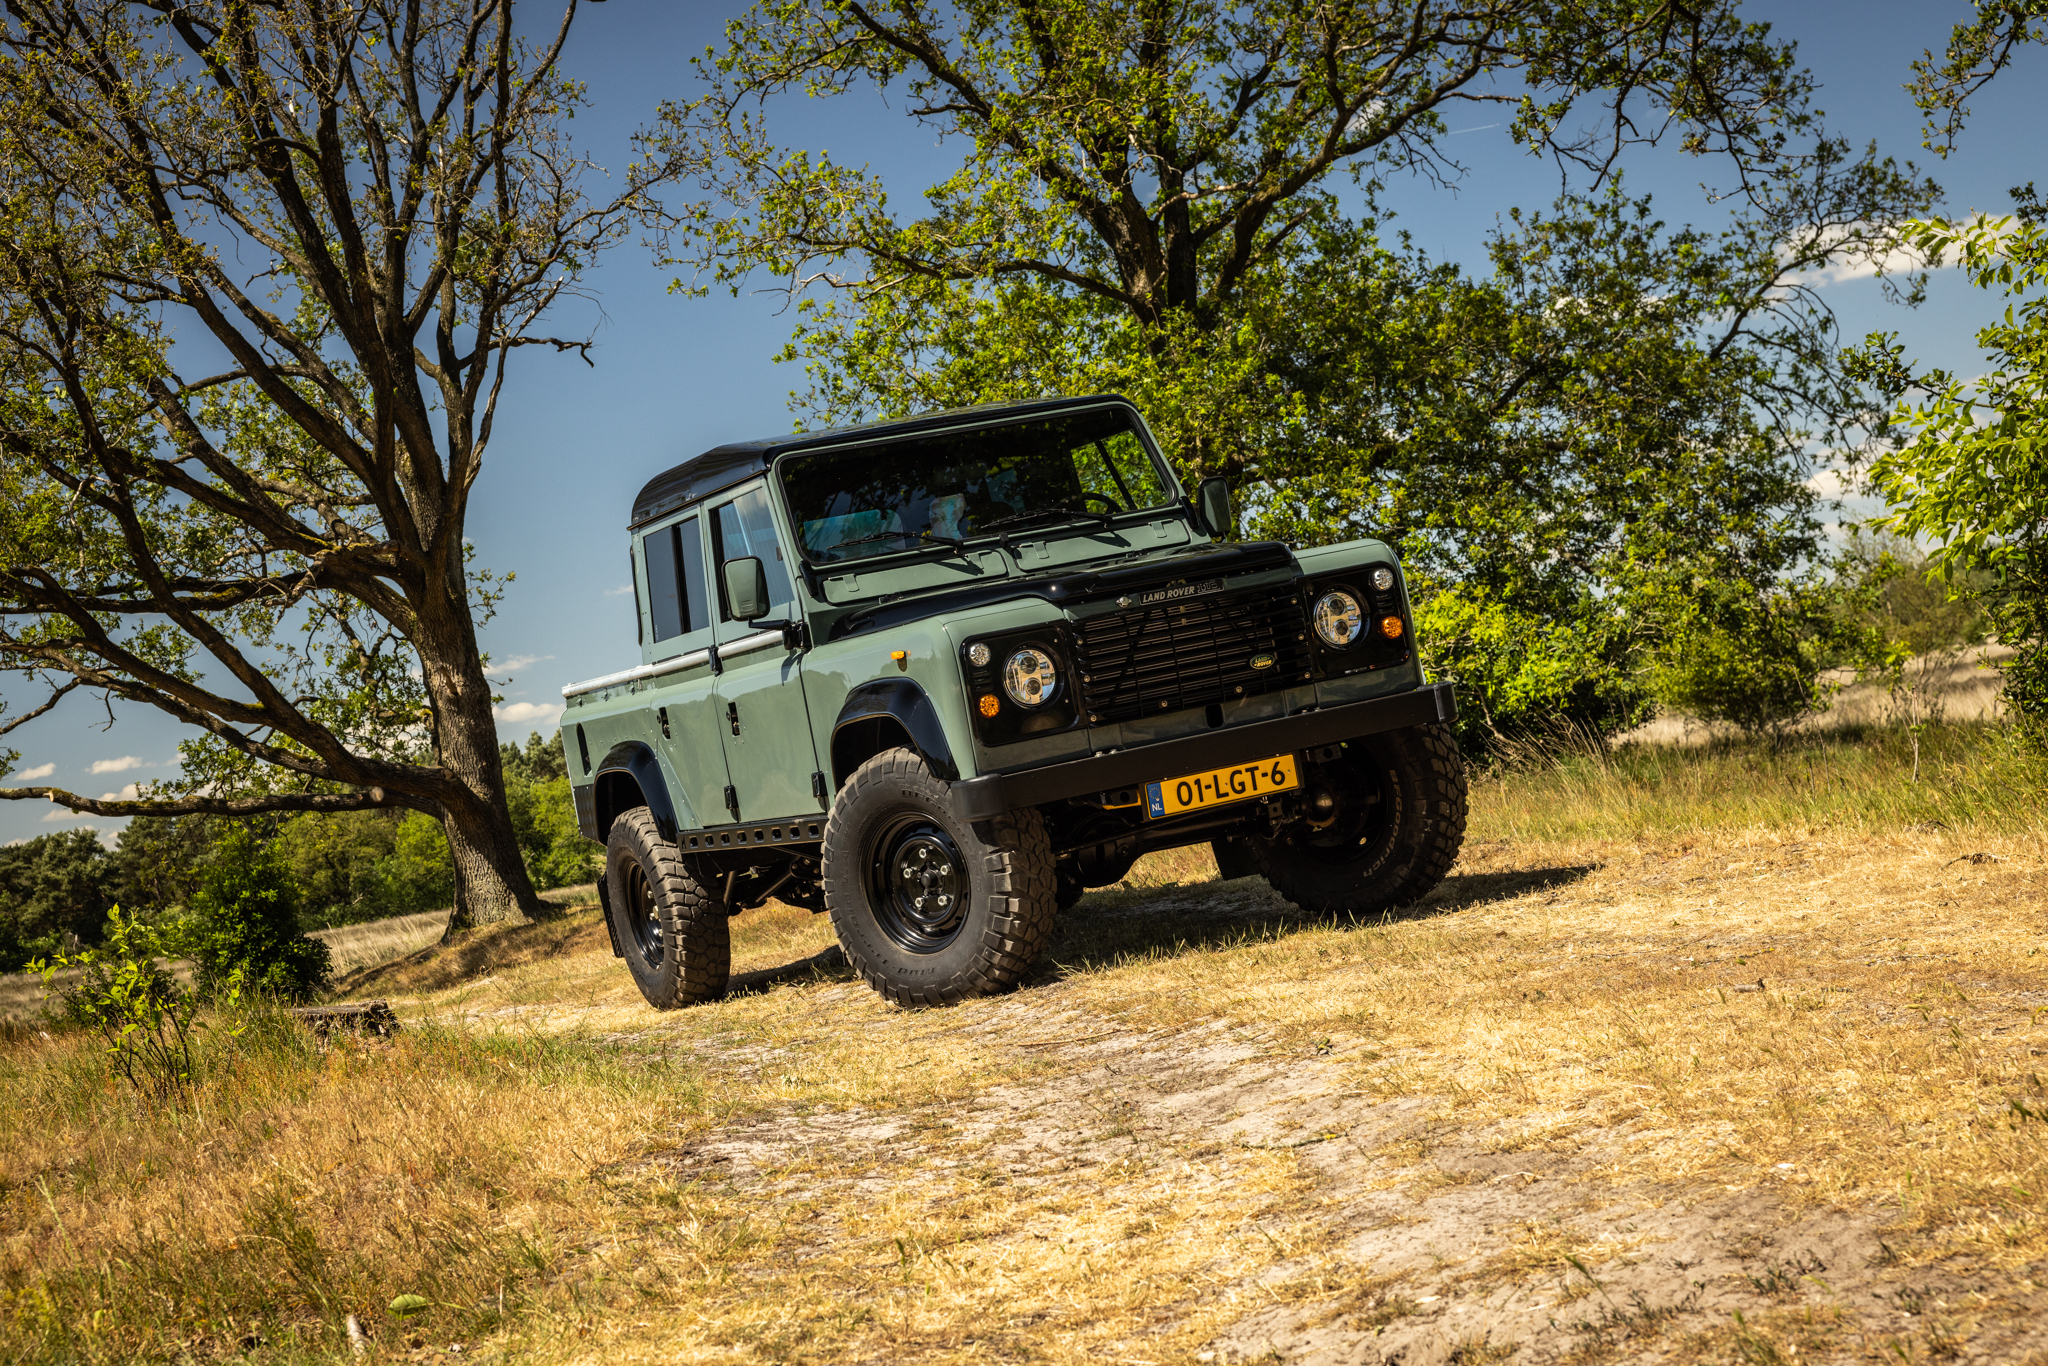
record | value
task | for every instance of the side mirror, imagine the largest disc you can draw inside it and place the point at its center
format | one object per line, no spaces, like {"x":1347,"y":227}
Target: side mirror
{"x":1212,"y":505}
{"x":746,"y":588}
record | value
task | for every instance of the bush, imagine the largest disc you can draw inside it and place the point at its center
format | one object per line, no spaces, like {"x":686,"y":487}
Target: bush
{"x":137,"y":1007}
{"x":1523,"y":676}
{"x":1748,"y":657}
{"x":243,"y":929}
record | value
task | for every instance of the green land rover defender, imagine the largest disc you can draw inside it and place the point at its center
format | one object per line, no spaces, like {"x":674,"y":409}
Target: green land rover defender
{"x":935,"y":677}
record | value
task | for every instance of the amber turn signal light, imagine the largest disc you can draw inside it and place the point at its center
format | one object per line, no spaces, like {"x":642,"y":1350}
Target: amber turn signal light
{"x":1390,"y":627}
{"x":988,"y":704}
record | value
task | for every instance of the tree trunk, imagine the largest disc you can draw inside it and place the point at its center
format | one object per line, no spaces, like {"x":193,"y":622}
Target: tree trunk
{"x":491,"y":883}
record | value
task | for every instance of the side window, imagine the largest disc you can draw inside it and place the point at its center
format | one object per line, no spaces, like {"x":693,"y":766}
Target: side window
{"x":675,"y":579}
{"x":745,"y":528}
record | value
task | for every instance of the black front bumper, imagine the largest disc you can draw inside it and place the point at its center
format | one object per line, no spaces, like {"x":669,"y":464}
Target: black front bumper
{"x":980,"y":798}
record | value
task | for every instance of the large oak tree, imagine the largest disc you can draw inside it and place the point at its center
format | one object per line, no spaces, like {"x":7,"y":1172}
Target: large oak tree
{"x":1186,"y":201}
{"x":263,"y":267}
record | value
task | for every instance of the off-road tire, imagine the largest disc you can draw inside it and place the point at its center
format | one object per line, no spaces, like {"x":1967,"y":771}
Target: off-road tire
{"x":1421,"y":777}
{"x":673,"y":932}
{"x":1004,"y":913}
{"x":1234,"y":859}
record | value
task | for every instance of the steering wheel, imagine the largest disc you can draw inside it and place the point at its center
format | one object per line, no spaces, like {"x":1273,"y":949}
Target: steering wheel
{"x":1109,"y":503}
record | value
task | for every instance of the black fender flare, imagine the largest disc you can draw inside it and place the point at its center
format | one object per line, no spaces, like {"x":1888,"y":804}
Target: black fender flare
{"x":890,"y":699}
{"x":628,"y":776}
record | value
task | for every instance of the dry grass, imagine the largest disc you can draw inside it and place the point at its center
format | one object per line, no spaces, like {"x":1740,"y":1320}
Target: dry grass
{"x":1193,"y":1122}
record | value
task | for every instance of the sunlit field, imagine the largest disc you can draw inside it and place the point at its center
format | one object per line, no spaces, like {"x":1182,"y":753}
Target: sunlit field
{"x":1761,"y":1086}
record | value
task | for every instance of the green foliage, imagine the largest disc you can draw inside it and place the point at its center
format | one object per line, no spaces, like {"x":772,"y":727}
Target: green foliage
{"x":55,"y":891}
{"x":1905,"y":599}
{"x":1525,"y":675}
{"x":1148,"y":206}
{"x":243,"y":929}
{"x":141,"y":1011}
{"x":1973,"y":477}
{"x":1749,"y":655}
{"x":544,"y":814}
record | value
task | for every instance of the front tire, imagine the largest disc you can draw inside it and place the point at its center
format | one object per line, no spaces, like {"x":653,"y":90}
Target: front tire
{"x":929,"y":908}
{"x":673,"y":933}
{"x":1400,"y":822}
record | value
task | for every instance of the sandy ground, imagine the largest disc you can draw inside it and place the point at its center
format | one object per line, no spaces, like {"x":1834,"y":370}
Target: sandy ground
{"x":1437,"y":1219}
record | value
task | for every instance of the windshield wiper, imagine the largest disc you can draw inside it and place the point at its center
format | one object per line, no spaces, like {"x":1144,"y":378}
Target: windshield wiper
{"x":927,"y":535}
{"x":1099,"y":518}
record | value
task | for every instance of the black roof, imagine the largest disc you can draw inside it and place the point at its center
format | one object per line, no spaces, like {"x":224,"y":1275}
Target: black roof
{"x":723,"y":466}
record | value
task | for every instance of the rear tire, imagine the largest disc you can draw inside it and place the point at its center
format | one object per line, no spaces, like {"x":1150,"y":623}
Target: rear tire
{"x":1400,"y":824}
{"x":672,"y":932}
{"x":1234,"y":859}
{"x":932,"y":909}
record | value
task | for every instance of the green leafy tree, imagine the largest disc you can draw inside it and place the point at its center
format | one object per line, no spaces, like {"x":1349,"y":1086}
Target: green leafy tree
{"x":243,"y":928}
{"x":355,"y":212}
{"x":55,"y":892}
{"x":1153,"y":200}
{"x":1970,"y":475}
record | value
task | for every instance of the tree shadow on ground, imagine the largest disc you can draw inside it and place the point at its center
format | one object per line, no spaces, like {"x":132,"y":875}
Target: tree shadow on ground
{"x":1162,"y":922}
{"x":479,"y":953}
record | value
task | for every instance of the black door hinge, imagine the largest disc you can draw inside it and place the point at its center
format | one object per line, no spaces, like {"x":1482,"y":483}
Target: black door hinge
{"x":663,"y":714}
{"x":732,"y":800}
{"x":732,"y":716}
{"x":818,"y":787}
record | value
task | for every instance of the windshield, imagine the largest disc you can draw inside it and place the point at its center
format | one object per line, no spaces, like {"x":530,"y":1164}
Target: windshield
{"x":855,"y":502}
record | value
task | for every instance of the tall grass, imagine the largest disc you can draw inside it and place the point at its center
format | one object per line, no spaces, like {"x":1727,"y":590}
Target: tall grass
{"x":1977,"y":776}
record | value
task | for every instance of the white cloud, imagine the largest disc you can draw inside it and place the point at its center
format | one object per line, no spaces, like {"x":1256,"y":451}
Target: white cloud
{"x":120,"y":765}
{"x":31,"y":774}
{"x":529,"y":713}
{"x":126,"y":794}
{"x":60,"y":814}
{"x":619,"y":592}
{"x":518,"y":662}
{"x":1858,"y":263}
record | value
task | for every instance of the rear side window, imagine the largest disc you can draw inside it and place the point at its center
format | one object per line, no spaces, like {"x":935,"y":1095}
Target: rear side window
{"x":745,"y":528}
{"x":675,"y":579}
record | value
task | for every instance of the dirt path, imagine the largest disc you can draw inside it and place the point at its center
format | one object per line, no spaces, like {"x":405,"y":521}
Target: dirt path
{"x":1759,"y":1098}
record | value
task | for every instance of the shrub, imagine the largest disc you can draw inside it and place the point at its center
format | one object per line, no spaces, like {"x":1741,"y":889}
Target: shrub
{"x":243,"y":929}
{"x":142,"y":1012}
{"x":1748,"y":657}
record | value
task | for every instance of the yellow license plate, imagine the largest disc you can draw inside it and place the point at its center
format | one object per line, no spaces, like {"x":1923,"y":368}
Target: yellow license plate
{"x":1219,"y":785}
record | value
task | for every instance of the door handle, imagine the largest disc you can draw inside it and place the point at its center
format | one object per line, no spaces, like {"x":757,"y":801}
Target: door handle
{"x":732,"y":716}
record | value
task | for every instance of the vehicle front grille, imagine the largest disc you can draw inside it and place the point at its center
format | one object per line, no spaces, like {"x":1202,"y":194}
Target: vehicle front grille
{"x":1144,"y":661}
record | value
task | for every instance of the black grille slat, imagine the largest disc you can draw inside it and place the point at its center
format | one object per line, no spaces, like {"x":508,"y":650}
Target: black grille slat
{"x":1144,"y":661}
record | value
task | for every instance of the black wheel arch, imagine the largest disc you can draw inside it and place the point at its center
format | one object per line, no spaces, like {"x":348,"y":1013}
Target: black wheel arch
{"x":628,"y":776}
{"x":889,"y":713}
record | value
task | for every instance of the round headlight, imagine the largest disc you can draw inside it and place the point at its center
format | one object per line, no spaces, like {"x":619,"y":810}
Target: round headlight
{"x":1338,"y":620}
{"x":1383,"y":579}
{"x":1030,"y":677}
{"x":977,"y":654}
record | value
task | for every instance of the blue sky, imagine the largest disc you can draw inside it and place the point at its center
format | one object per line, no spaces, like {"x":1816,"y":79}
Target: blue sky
{"x":674,"y":376}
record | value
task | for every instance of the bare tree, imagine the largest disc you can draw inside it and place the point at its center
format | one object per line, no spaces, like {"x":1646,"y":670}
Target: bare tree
{"x":262,"y":266}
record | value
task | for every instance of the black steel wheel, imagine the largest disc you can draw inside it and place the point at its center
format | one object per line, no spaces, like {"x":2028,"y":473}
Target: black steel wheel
{"x":929,"y":908}
{"x":1395,"y":820}
{"x":917,"y":884}
{"x":673,"y":931}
